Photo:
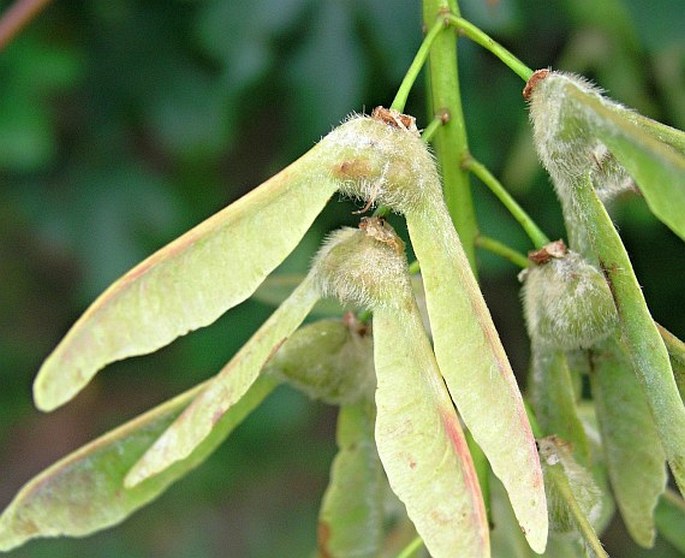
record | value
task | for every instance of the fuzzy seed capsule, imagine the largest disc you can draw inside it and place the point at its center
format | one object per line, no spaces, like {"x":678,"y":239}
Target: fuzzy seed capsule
{"x":564,"y":136}
{"x":364,"y":268}
{"x":329,"y":360}
{"x":382,"y":160}
{"x":557,"y":464}
{"x":567,"y":302}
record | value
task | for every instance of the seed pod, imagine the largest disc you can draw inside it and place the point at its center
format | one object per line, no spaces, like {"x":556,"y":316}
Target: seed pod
{"x":565,"y":141}
{"x":219,"y":263}
{"x":573,"y":496}
{"x":575,"y":126}
{"x":406,"y":178}
{"x":567,"y":302}
{"x":364,"y":268}
{"x":329,"y":360}
{"x":417,"y":431}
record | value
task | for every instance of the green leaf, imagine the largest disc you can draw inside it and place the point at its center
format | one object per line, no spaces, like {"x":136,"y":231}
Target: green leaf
{"x":644,"y":345}
{"x":554,"y":401}
{"x":475,"y":366}
{"x":192,"y":281}
{"x":656,"y":166}
{"x":633,"y":453}
{"x":351,"y":518}
{"x":84,"y":492}
{"x":226,"y":389}
{"x":420,"y":441}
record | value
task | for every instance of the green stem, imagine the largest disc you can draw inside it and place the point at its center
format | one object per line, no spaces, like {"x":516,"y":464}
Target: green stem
{"x":478,"y":36}
{"x":538,"y":238}
{"x":497,"y":247}
{"x":411,"y":548}
{"x":419,"y":60}
{"x":429,"y":131}
{"x":450,"y":142}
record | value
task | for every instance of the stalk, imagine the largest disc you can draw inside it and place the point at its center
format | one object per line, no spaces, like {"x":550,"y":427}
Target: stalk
{"x":450,"y":143}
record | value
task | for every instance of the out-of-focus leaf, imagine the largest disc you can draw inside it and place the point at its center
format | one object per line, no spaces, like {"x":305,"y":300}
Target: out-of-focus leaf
{"x":26,"y":136}
{"x":191,"y":117}
{"x":670,"y":518}
{"x":84,"y":492}
{"x":351,"y":519}
{"x":645,"y":348}
{"x":657,"y":167}
{"x":633,"y":453}
{"x":190,"y":282}
{"x":395,"y":33}
{"x":573,"y":497}
{"x":659,"y":23}
{"x":31,"y":73}
{"x":326,"y":71}
{"x":475,"y":366}
{"x":497,"y":18}
{"x":248,"y":49}
{"x":226,"y":389}
{"x":420,"y":441}
{"x":553,"y":397}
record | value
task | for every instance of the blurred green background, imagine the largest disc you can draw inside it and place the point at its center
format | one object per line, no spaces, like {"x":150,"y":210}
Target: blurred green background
{"x":124,"y":123}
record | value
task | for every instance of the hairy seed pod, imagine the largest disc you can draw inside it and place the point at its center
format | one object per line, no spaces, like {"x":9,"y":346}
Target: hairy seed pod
{"x":567,"y":302}
{"x":363,"y":267}
{"x":564,"y":136}
{"x":561,"y":469}
{"x":329,"y":360}
{"x":401,"y":174}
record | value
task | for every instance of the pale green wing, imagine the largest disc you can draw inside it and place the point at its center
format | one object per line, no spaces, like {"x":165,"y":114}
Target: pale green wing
{"x":670,"y":518}
{"x":551,"y":392}
{"x":506,"y":536}
{"x":657,"y":167}
{"x":633,"y":453}
{"x":476,"y":369}
{"x":276,"y":288}
{"x":190,"y":282}
{"x":222,"y":392}
{"x":665,"y":134}
{"x":645,"y":347}
{"x":351,"y":519}
{"x":420,"y":441}
{"x":84,"y":492}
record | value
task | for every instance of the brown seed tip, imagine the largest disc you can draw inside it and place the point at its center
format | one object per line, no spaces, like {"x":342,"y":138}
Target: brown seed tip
{"x":394,"y":118}
{"x":538,"y":75}
{"x":380,"y":230}
{"x":556,"y":249}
